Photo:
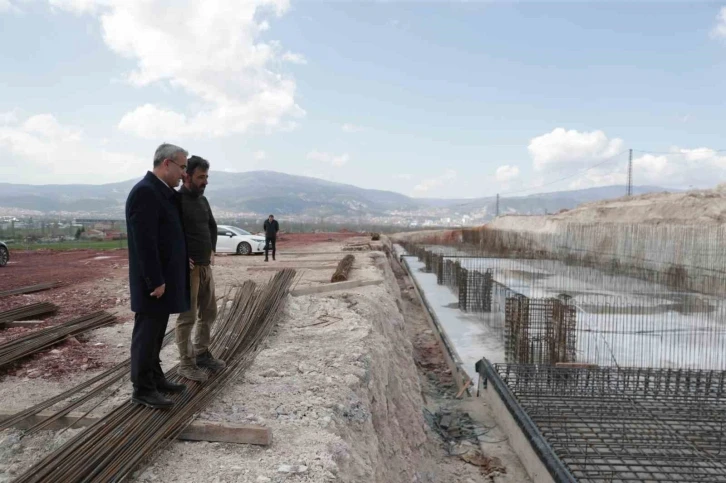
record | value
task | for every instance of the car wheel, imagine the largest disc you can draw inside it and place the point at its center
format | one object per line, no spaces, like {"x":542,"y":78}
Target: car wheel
{"x":4,"y":256}
{"x":244,"y":248}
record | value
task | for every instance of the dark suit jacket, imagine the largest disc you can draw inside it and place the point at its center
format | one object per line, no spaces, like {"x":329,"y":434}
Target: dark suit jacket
{"x":157,"y":248}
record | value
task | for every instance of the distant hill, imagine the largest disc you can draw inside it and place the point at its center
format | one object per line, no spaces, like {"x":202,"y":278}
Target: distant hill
{"x":264,"y":192}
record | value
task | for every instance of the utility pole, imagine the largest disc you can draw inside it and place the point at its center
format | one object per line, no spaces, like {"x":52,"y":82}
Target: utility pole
{"x":629,"y":191}
{"x":497,"y":204}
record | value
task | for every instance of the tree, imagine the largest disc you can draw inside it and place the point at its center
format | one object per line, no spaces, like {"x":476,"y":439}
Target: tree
{"x":78,"y":232}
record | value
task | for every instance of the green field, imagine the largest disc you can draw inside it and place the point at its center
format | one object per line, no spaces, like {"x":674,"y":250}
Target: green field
{"x":71,"y":245}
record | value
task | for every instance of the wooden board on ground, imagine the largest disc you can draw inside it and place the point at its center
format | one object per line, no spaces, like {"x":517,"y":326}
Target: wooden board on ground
{"x":278,"y":268}
{"x":213,"y":431}
{"x":332,"y":287}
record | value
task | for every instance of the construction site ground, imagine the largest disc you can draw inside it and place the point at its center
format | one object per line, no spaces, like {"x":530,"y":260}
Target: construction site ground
{"x":352,"y":382}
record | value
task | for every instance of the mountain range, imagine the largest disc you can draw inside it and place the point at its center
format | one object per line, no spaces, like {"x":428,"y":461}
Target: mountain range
{"x":256,"y":193}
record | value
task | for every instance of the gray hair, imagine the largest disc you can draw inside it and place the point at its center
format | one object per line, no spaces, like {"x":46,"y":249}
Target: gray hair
{"x":167,"y":151}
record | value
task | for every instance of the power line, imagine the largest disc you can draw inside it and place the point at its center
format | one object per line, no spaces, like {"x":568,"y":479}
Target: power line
{"x":578,"y":173}
{"x":675,"y":153}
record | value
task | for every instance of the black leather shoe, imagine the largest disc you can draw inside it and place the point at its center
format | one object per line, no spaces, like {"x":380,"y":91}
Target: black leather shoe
{"x":169,"y":387}
{"x":152,"y":400}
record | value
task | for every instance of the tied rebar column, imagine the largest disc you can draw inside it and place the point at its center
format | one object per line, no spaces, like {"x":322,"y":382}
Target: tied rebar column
{"x":487,"y":289}
{"x":516,"y":322}
{"x":463,"y":277}
{"x":440,"y":270}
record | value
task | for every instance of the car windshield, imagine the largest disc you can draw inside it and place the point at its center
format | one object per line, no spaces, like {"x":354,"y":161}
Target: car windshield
{"x":238,"y":231}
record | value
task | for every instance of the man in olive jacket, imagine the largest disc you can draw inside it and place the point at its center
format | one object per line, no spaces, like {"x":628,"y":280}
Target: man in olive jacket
{"x":200,"y":230}
{"x":158,"y":271}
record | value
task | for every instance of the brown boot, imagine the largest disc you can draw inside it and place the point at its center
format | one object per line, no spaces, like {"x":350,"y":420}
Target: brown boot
{"x":189,"y":369}
{"x":208,"y":361}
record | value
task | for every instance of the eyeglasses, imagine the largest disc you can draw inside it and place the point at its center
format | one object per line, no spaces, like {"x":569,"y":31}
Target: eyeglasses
{"x":183,"y":167}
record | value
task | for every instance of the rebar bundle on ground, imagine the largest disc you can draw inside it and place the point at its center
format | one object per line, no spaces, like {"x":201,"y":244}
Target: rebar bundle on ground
{"x":343,"y":270}
{"x":124,"y":440}
{"x":27,"y":311}
{"x":41,"y":339}
{"x":30,"y":289}
{"x":102,"y":382}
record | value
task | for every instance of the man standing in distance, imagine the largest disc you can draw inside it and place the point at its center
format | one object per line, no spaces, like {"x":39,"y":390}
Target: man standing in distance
{"x":158,"y":271}
{"x":271,"y":228}
{"x":200,"y":230}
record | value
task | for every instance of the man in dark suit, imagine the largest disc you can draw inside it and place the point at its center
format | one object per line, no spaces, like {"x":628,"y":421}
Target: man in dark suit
{"x":158,"y":271}
{"x":271,"y":228}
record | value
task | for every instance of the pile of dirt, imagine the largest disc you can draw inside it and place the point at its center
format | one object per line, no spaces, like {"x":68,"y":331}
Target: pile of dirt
{"x":700,"y":207}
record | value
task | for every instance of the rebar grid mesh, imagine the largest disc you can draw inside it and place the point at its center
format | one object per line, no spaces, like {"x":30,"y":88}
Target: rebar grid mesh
{"x":627,"y":424}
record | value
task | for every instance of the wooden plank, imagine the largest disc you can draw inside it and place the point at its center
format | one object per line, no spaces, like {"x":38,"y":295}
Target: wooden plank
{"x":280,"y":267}
{"x":332,"y":287}
{"x":227,"y":433}
{"x":213,"y":431}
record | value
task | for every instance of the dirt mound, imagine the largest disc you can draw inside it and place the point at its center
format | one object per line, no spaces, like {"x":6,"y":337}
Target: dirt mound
{"x":702,"y":207}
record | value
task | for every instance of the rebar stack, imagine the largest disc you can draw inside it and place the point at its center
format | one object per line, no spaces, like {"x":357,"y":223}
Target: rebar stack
{"x":120,"y":443}
{"x":96,"y":387}
{"x":30,"y":289}
{"x":42,"y":339}
{"x":27,"y":311}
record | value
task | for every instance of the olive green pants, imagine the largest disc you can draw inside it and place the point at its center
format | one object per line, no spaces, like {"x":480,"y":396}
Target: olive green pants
{"x":202,"y":313}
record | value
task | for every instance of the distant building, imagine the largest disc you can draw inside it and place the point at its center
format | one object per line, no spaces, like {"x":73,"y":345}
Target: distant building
{"x":99,"y":223}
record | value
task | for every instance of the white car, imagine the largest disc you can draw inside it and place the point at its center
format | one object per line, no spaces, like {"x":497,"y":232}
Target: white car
{"x":231,"y":239}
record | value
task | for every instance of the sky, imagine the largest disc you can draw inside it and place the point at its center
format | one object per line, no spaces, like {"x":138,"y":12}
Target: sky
{"x":454,"y":99}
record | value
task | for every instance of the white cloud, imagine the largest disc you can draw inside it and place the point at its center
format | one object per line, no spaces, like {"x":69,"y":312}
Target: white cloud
{"x":51,"y":152}
{"x":719,"y":31}
{"x":331,"y":159}
{"x":405,"y":176}
{"x":678,"y":168}
{"x":8,"y":6}
{"x":431,"y":183}
{"x":260,"y":155}
{"x":79,"y":7}
{"x":209,"y":49}
{"x":350,"y":128}
{"x":8,"y":117}
{"x":561,"y":148}
{"x":294,"y":58}
{"x":507,"y":173}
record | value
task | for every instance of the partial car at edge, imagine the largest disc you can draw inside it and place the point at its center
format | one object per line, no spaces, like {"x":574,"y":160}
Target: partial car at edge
{"x":4,"y":254}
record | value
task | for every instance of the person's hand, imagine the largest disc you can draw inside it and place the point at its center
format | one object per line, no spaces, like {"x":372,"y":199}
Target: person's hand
{"x":159,"y":291}
{"x":191,"y":264}
{"x":211,"y":260}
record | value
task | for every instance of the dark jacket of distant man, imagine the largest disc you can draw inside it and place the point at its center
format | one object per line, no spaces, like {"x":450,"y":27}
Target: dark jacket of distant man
{"x":271,"y":228}
{"x":157,"y":248}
